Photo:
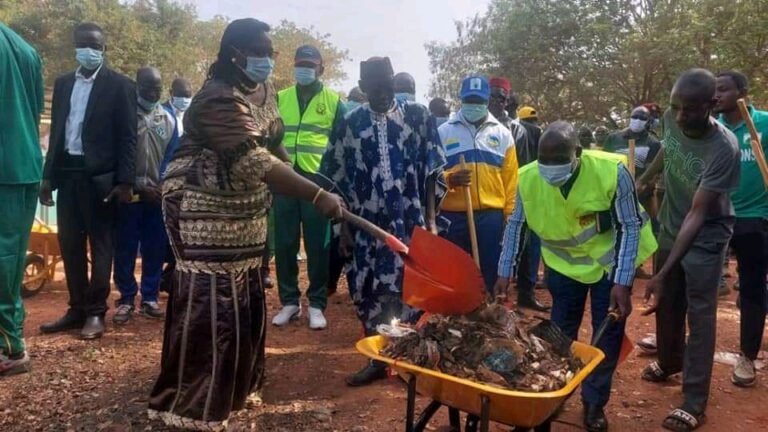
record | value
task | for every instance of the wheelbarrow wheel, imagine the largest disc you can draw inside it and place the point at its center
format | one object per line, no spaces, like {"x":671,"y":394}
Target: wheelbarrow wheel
{"x":34,"y":267}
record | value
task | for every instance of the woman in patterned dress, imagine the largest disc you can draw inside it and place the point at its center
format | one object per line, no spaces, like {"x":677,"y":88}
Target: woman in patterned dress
{"x":215,"y":204}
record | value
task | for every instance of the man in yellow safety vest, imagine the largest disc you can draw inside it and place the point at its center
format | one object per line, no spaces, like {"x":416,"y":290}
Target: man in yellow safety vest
{"x":583,"y":206}
{"x":309,"y":110}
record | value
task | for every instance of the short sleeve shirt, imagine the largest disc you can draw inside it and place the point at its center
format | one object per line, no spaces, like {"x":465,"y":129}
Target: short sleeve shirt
{"x":751,"y":198}
{"x":711,"y":163}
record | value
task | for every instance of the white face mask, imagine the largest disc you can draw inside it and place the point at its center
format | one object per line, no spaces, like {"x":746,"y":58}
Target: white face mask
{"x":637,"y":125}
{"x":556,"y":175}
{"x":181,"y":103}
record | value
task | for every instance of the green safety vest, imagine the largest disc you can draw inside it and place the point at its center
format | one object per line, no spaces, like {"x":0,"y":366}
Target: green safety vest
{"x":570,"y":243}
{"x":306,"y":136}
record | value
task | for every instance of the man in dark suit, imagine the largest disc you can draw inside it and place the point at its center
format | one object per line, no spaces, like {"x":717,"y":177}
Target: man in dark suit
{"x":91,"y":162}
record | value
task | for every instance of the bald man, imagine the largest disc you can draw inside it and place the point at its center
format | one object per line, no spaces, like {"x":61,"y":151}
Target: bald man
{"x":594,"y":253}
{"x":405,"y":87}
{"x":701,"y":168}
{"x":140,"y":223}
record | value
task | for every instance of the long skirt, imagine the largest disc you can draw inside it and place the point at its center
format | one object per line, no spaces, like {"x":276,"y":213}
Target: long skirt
{"x":213,"y":349}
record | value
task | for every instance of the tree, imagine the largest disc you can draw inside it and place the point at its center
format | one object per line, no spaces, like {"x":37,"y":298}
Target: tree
{"x":594,"y":60}
{"x":163,"y":33}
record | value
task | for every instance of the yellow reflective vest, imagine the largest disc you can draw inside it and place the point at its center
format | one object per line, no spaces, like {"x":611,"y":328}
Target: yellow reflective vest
{"x":306,"y":136}
{"x":568,"y":227}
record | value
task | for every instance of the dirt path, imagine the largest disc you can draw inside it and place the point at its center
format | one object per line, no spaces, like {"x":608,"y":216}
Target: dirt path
{"x":103,"y":385}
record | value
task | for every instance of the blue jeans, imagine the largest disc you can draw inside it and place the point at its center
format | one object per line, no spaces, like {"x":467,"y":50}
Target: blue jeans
{"x":489,"y":225}
{"x":139,"y":225}
{"x":528,"y":269}
{"x":568,"y":300}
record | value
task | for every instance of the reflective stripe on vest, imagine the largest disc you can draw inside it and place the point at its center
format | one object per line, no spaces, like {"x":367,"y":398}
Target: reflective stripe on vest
{"x":306,"y":135}
{"x":586,"y":235}
{"x":570,"y":242}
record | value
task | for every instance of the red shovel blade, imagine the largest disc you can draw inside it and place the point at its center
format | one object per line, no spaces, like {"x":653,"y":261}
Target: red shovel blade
{"x":626,"y":348}
{"x":440,"y":277}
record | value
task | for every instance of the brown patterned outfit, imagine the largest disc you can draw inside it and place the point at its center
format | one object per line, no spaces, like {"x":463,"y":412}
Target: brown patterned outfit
{"x":215,"y":204}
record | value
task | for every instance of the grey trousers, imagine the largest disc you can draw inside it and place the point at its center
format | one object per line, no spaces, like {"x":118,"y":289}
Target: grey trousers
{"x":690,"y":291}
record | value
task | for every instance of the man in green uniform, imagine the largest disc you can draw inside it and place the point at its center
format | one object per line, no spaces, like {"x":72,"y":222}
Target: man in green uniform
{"x":309,"y":111}
{"x":750,"y":233}
{"x":21,"y":162}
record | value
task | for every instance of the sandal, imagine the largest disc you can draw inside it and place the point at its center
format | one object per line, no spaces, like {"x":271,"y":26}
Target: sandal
{"x":682,"y":421}
{"x":654,"y":373}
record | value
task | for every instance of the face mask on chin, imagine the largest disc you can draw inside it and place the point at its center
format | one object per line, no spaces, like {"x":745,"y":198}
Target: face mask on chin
{"x":146,"y":105}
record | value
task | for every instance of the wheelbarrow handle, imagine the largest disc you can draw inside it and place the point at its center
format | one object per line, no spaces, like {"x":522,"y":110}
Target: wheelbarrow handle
{"x":390,"y":240}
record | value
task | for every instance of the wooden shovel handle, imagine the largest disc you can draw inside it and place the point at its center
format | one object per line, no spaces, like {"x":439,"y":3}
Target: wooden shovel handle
{"x":631,"y":157}
{"x":391,"y":241}
{"x":470,"y":217}
{"x":757,"y":148}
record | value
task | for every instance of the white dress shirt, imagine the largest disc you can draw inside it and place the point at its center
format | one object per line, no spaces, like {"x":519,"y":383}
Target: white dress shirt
{"x":78,"y":102}
{"x":179,"y":120}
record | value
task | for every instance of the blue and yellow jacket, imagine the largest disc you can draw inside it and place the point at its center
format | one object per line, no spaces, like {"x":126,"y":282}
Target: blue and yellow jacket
{"x":489,"y":151}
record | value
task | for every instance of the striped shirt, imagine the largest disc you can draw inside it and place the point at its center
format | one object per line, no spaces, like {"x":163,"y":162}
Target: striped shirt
{"x":626,"y":218}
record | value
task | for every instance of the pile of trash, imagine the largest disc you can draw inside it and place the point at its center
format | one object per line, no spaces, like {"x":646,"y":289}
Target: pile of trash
{"x":492,"y":346}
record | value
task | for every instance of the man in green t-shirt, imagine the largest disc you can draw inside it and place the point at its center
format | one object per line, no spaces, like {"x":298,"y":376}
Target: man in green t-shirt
{"x":701,"y":169}
{"x":21,"y":162}
{"x":750,"y":233}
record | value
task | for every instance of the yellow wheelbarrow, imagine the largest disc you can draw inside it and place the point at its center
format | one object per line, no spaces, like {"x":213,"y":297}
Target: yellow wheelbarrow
{"x":43,"y":254}
{"x":482,"y":403}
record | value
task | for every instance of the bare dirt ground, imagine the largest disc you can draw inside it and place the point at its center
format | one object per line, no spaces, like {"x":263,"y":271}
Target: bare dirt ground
{"x":103,"y":385}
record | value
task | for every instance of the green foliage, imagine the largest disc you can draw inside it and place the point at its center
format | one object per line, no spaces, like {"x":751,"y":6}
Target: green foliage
{"x":163,"y":33}
{"x":593,"y":60}
{"x":287,"y":37}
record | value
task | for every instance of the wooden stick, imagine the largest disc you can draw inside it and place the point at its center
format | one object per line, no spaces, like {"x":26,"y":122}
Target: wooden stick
{"x":757,"y":148}
{"x":470,"y":217}
{"x":631,"y":157}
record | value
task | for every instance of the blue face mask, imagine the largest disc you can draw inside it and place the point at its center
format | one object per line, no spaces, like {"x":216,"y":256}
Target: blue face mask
{"x":351,"y":105}
{"x":474,"y":112}
{"x":181,"y":103}
{"x":304,"y":75}
{"x":89,"y":58}
{"x":146,"y":105}
{"x":405,"y":97}
{"x":556,"y":175}
{"x":440,"y":120}
{"x":259,"y":69}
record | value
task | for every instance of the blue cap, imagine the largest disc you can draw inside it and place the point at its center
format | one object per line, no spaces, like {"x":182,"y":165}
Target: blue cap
{"x":308,"y":53}
{"x":475,"y":85}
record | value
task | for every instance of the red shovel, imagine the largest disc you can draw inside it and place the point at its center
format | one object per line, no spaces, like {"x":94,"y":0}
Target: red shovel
{"x":439,"y":277}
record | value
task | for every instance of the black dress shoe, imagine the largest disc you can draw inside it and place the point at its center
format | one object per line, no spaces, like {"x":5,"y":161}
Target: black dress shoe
{"x":70,"y":321}
{"x":266,"y":279}
{"x":594,"y":418}
{"x":530,"y":302}
{"x":93,"y":328}
{"x":374,"y":371}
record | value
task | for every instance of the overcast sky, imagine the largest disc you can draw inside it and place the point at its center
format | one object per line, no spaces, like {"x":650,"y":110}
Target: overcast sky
{"x":395,"y":28}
